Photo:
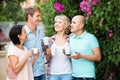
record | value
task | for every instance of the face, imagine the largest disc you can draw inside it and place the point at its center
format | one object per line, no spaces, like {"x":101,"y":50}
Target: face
{"x":35,"y":19}
{"x":75,"y":25}
{"x":59,"y":25}
{"x":23,"y":35}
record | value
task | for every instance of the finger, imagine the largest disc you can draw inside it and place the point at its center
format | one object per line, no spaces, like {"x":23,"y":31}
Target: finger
{"x":71,"y":56}
{"x":64,"y":51}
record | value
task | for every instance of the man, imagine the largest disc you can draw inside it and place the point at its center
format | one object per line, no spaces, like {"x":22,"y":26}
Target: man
{"x":35,"y":40}
{"x":84,"y":50}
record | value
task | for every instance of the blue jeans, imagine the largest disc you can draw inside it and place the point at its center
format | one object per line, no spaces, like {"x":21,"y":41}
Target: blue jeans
{"x":61,"y":77}
{"x":41,"y":77}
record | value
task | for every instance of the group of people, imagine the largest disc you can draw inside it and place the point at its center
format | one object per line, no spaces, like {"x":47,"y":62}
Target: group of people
{"x":69,"y":57}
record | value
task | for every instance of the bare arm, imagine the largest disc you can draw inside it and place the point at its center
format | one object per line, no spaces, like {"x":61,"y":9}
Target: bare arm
{"x":34,"y":58}
{"x":15,"y":64}
{"x":95,"y":57}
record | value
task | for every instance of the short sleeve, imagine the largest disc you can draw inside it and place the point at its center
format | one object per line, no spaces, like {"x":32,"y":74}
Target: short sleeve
{"x":93,"y":41}
{"x":11,"y":51}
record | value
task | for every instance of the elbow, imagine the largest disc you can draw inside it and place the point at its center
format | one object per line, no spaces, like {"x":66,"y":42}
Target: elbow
{"x":98,"y":59}
{"x":15,"y":71}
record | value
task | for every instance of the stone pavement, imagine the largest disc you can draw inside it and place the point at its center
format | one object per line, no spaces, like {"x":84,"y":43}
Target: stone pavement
{"x":2,"y":67}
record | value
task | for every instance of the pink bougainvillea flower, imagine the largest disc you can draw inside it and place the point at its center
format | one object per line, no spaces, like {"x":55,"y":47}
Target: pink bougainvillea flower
{"x":86,"y":5}
{"x":89,"y":13}
{"x":111,"y":76}
{"x":94,"y":2}
{"x":101,"y":21}
{"x":111,"y":31}
{"x":110,"y":35}
{"x":59,"y":7}
{"x":45,"y":0}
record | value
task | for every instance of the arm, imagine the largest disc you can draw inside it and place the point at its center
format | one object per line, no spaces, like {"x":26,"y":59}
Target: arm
{"x":15,"y":64}
{"x":48,"y":54}
{"x":34,"y":58}
{"x":95,"y":57}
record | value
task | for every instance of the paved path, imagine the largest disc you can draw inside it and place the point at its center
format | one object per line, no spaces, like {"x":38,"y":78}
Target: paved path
{"x":2,"y":67}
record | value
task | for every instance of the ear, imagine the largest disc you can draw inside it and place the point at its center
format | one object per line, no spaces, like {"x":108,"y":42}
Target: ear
{"x":81,"y":25}
{"x":29,"y":16}
{"x":18,"y":36}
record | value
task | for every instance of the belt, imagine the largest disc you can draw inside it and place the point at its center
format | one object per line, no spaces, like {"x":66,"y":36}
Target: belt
{"x":83,"y":78}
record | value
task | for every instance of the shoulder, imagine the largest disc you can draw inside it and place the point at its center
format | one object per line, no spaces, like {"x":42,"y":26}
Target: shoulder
{"x":89,"y":35}
{"x":11,"y":51}
{"x":52,"y":38}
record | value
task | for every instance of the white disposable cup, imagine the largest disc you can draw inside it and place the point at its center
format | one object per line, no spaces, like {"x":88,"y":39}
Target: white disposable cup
{"x":46,"y":40}
{"x":53,"y":51}
{"x":35,"y":50}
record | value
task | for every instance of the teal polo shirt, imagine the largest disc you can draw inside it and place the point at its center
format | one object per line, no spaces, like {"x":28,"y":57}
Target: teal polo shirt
{"x":84,"y":45}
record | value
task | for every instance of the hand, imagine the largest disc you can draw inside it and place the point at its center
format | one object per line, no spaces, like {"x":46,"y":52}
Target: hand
{"x":65,"y":53}
{"x":76,"y":56}
{"x":48,"y":51}
{"x":35,"y":56}
{"x":30,"y":53}
{"x":10,"y":73}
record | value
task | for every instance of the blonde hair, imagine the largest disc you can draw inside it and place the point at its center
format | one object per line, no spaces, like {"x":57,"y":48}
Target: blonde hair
{"x":66,"y":20}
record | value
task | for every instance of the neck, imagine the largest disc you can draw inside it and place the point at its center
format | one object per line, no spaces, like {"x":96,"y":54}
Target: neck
{"x":31,"y":27}
{"x":20,"y":46}
{"x":79,"y":33}
{"x":60,"y":34}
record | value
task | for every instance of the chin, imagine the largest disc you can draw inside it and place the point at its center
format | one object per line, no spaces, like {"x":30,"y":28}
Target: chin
{"x":72,"y":31}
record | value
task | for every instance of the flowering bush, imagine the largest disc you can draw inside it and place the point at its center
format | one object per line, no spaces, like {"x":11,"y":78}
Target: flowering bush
{"x":103,"y":20}
{"x":59,"y":7}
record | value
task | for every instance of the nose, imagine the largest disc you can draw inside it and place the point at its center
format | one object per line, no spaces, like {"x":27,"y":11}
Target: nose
{"x":55,"y":23}
{"x":39,"y":18}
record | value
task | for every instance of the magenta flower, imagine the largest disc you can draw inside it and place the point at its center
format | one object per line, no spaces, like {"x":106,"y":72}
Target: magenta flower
{"x":58,"y":6}
{"x":94,"y":2}
{"x":111,"y":31}
{"x":86,"y":6}
{"x":110,"y":35}
{"x":111,"y":76}
{"x":45,"y":0}
{"x":101,"y":21}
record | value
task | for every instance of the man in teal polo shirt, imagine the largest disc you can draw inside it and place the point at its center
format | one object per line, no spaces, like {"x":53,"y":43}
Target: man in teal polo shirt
{"x":84,"y":50}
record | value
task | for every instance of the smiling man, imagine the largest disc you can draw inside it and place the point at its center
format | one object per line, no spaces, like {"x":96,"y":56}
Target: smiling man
{"x":35,"y":40}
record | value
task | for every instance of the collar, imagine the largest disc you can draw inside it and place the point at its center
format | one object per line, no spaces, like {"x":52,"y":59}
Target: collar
{"x":81,"y":36}
{"x":28,"y":29}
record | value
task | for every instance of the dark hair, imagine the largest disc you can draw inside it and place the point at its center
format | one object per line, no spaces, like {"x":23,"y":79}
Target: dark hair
{"x":14,"y":32}
{"x":30,"y":11}
{"x":0,"y":30}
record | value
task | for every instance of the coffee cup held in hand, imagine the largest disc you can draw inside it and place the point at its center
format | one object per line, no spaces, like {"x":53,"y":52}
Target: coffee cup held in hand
{"x":46,"y":40}
{"x":35,"y":50}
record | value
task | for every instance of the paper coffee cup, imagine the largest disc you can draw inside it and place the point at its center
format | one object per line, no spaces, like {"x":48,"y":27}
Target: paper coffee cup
{"x":35,"y":50}
{"x":46,"y":40}
{"x":53,"y":51}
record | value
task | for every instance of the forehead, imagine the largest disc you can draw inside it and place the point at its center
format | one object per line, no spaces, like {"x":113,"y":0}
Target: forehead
{"x":37,"y":13}
{"x":75,"y":19}
{"x":58,"y":19}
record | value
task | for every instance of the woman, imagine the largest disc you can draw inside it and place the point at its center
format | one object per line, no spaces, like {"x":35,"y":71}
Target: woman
{"x":60,"y":65}
{"x":19,"y":66}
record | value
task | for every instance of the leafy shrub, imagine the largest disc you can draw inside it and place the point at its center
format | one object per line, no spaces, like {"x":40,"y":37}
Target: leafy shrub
{"x":103,"y":22}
